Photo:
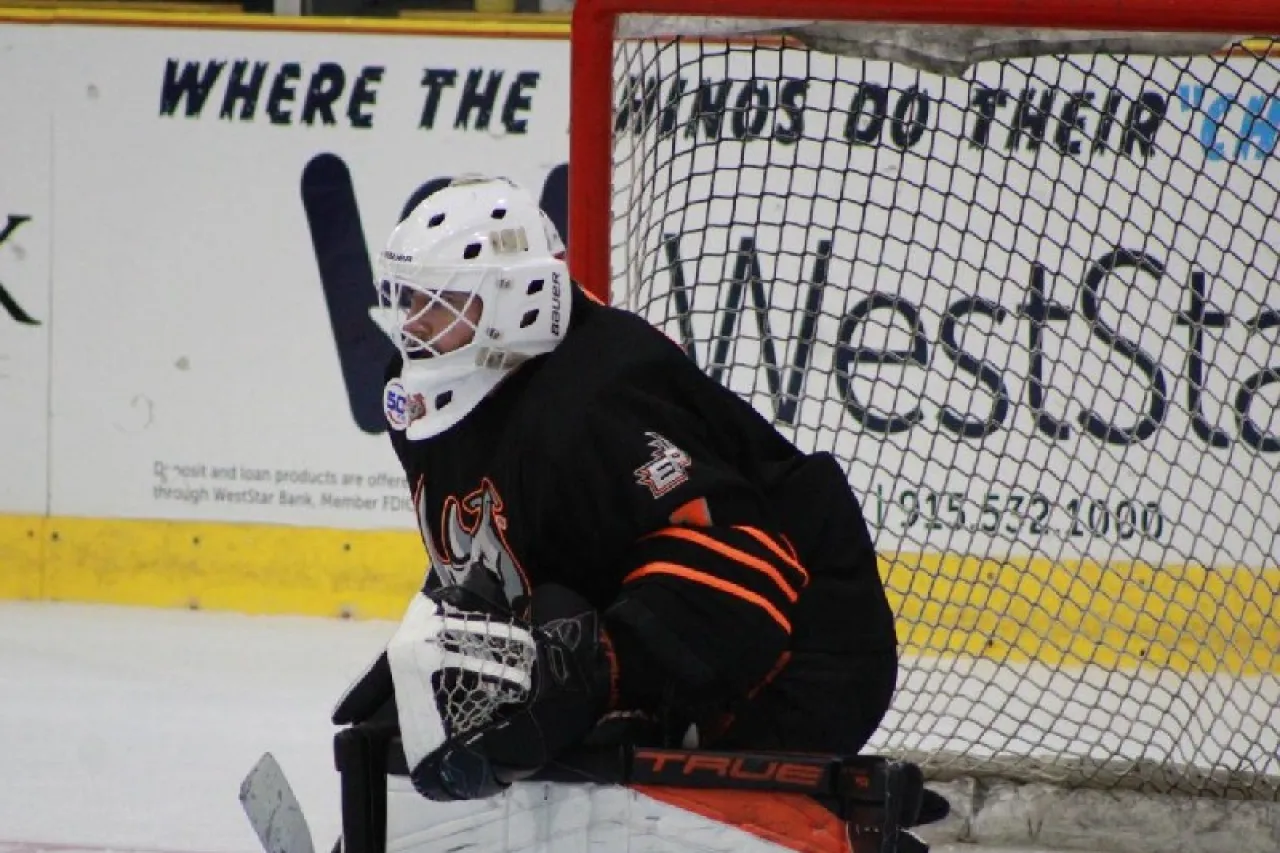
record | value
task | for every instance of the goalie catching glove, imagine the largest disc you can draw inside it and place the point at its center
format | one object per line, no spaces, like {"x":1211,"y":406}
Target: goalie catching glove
{"x":485,"y":697}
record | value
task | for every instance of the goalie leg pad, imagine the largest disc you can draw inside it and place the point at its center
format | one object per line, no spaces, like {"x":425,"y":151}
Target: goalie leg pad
{"x":552,"y":818}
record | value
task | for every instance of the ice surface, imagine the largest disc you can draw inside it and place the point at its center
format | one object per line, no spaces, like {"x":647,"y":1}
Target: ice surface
{"x":130,"y":729}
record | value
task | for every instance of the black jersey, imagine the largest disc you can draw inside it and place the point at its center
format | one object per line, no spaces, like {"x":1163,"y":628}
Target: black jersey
{"x":614,"y":466}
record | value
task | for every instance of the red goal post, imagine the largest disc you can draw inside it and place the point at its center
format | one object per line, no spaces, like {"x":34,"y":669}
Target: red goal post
{"x":1048,"y":355}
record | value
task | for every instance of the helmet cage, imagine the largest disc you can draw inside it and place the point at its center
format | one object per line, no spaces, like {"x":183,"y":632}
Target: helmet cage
{"x":448,"y":296}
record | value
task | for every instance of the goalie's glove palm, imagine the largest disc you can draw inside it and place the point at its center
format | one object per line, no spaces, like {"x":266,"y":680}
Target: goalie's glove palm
{"x":572,"y":678}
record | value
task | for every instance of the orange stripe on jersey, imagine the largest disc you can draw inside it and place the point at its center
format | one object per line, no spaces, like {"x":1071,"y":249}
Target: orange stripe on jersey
{"x":606,"y":645}
{"x":767,"y":541}
{"x":791,"y":549}
{"x":778,"y":666}
{"x":792,"y":821}
{"x":714,"y":582}
{"x":732,"y":553}
{"x":696,"y":513}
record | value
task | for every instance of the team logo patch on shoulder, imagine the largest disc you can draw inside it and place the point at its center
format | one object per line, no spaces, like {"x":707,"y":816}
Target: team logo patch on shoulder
{"x":668,"y":466}
{"x":417,"y":408}
{"x":395,"y":402}
{"x":401,"y":407}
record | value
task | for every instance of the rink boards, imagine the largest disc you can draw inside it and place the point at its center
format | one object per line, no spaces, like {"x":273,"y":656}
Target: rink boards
{"x":189,"y":383}
{"x":1186,"y":619}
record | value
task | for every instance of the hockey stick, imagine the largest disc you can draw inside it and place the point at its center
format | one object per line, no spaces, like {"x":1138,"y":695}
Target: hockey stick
{"x":273,"y":809}
{"x":879,"y":798}
{"x":865,"y":779}
{"x":852,"y":778}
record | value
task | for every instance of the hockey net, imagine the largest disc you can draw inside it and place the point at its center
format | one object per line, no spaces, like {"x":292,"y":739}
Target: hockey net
{"x":1025,"y":284}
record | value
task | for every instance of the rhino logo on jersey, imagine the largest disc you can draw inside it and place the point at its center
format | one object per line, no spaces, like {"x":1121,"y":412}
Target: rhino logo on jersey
{"x":474,"y":552}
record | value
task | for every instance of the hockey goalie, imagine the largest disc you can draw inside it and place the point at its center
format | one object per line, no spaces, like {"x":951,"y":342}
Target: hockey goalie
{"x":649,"y":621}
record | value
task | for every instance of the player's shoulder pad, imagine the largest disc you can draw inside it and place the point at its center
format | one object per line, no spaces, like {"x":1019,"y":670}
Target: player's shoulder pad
{"x":609,"y":373}
{"x":608,"y":354}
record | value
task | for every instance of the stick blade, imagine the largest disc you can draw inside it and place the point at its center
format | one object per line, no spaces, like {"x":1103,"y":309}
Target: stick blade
{"x":273,"y":810}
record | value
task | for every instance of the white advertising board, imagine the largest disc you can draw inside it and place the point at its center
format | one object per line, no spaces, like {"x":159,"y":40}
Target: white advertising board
{"x":1047,"y":317}
{"x":25,"y":228}
{"x":218,"y":197}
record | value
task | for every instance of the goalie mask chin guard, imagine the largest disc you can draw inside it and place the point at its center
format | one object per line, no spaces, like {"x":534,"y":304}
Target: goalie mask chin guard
{"x":470,"y":285}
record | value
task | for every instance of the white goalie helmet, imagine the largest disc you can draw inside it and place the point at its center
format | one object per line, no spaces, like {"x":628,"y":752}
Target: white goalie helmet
{"x":471,"y":285}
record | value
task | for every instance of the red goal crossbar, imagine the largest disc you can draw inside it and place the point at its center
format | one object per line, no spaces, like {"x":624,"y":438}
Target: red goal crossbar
{"x":591,"y":75}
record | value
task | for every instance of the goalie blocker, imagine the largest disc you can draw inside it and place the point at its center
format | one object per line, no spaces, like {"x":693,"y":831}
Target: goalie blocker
{"x":871,"y":802}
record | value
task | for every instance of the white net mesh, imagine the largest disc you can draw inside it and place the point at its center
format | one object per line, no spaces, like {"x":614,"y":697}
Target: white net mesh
{"x":1035,"y":309}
